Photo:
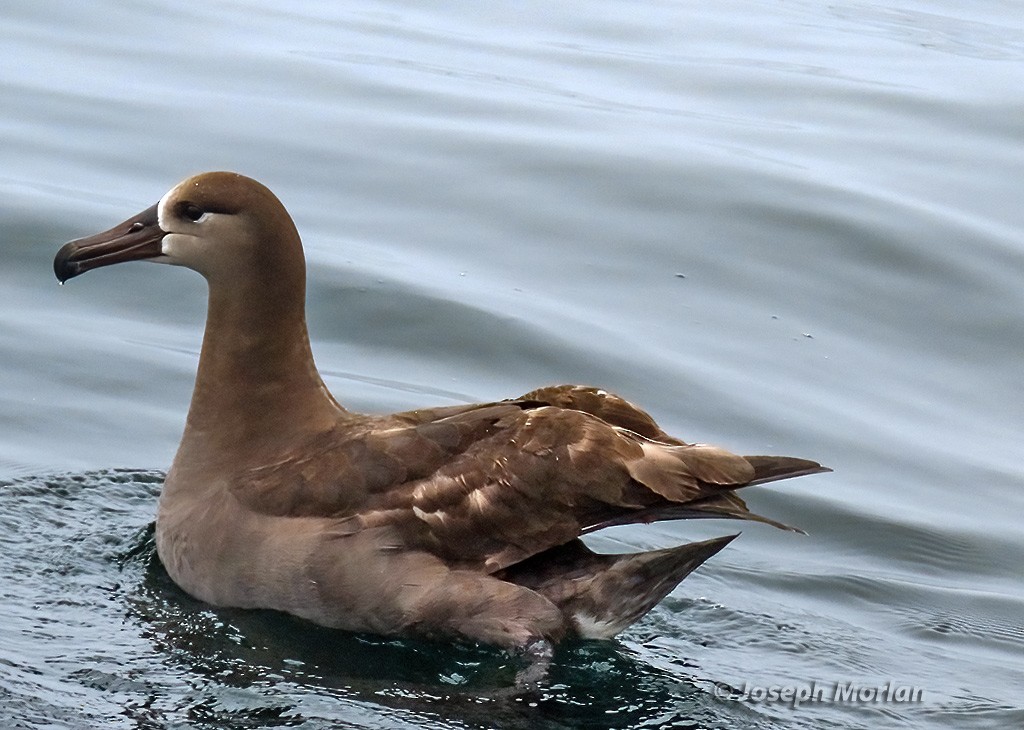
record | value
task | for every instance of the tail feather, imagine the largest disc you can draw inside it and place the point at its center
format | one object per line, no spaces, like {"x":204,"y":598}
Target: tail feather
{"x":603,"y":594}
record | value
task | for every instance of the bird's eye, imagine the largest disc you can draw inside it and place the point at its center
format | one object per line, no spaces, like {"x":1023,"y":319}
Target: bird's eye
{"x":193,"y":212}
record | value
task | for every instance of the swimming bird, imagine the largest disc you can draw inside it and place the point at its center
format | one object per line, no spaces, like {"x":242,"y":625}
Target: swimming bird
{"x":459,"y":523}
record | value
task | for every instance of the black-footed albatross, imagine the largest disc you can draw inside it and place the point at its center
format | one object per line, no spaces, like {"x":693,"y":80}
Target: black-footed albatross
{"x":460,"y":522}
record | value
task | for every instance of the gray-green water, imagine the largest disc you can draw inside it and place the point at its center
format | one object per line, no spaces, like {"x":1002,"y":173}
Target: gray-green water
{"x":782,"y":227}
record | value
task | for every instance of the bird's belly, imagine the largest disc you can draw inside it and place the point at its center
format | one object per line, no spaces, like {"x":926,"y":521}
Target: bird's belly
{"x":227,"y":556}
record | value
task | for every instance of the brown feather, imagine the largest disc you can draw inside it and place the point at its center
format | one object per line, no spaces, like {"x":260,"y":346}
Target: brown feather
{"x":454,"y":521}
{"x":492,"y":485}
{"x":603,"y":594}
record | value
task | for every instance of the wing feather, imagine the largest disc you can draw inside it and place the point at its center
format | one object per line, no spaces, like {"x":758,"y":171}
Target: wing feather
{"x":488,"y":486}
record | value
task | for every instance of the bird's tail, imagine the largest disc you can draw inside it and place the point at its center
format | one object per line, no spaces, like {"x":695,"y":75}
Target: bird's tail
{"x":601,"y":595}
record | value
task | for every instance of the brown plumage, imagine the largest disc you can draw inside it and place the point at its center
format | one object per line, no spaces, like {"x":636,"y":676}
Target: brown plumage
{"x":458,"y":522}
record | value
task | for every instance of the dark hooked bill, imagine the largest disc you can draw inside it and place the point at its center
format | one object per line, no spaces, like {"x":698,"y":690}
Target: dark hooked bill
{"x":137,"y":238}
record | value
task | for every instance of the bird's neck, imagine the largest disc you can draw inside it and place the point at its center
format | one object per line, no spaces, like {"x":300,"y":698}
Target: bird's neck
{"x":257,"y":390}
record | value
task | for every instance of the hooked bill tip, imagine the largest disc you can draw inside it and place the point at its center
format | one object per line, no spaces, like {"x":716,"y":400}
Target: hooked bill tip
{"x":64,"y":268}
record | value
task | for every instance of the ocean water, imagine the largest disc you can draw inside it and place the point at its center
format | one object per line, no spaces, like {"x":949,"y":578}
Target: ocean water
{"x":780,"y":227}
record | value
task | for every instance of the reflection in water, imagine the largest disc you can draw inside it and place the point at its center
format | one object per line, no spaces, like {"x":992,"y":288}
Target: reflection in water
{"x":146,"y":647}
{"x":278,"y":660}
{"x":91,"y":602}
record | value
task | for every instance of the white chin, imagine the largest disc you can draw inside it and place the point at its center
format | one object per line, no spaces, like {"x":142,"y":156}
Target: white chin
{"x":164,"y":259}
